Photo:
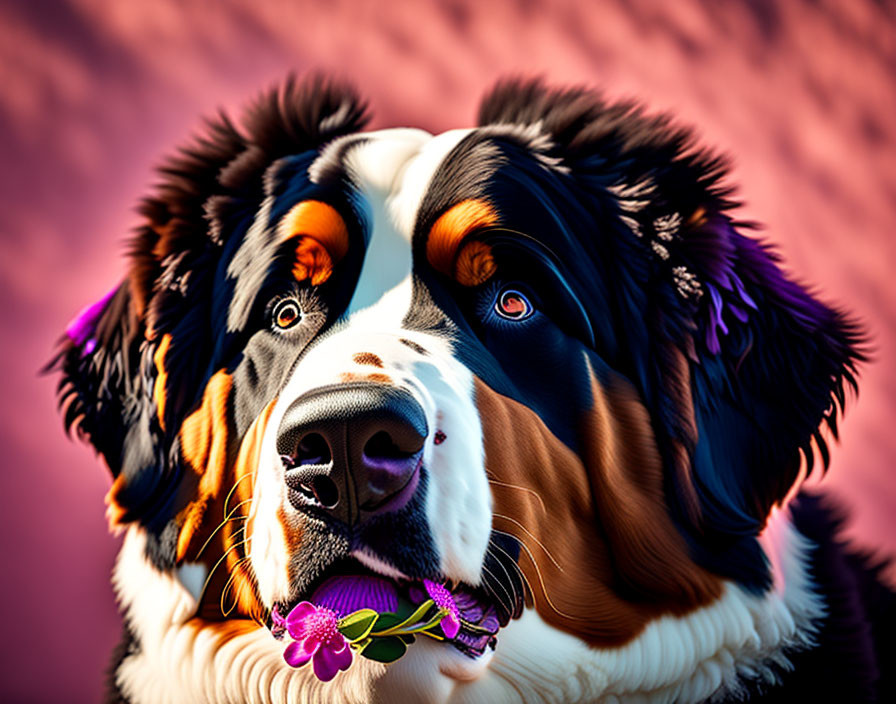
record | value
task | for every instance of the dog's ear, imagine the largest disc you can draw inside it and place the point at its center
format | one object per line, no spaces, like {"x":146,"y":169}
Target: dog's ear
{"x":768,"y":366}
{"x":99,"y":370}
{"x":105,"y":394}
{"x":135,"y":364}
{"x":739,"y":366}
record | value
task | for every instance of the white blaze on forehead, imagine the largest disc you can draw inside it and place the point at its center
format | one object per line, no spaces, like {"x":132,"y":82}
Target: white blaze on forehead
{"x":391,"y":172}
{"x":393,"y":169}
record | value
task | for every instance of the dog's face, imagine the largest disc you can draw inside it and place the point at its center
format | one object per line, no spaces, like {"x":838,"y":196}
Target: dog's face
{"x":534,"y":361}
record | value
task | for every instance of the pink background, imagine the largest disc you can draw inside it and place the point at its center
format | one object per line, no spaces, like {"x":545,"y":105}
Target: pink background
{"x":93,"y":92}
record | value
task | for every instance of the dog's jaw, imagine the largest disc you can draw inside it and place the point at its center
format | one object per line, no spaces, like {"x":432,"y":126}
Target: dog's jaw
{"x":709,"y":653}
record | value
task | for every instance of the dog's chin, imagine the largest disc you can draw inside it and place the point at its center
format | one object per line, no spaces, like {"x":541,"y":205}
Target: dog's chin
{"x":430,"y":672}
{"x":365,"y":581}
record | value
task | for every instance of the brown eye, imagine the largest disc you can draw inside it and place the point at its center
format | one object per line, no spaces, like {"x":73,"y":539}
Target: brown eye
{"x":286,"y":314}
{"x":513,"y":305}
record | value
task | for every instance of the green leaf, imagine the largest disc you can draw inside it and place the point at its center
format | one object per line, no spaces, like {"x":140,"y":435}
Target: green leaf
{"x":414,"y":618}
{"x":388,"y":620}
{"x":407,"y":638}
{"x":424,"y":627}
{"x":359,"y":645}
{"x":358,"y":625}
{"x":386,"y":649}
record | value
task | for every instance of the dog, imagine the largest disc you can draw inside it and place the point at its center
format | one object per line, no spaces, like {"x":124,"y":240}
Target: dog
{"x":537,"y":364}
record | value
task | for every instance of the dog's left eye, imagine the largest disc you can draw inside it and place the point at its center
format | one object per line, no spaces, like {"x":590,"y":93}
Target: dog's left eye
{"x":286,"y":314}
{"x":512,"y":304}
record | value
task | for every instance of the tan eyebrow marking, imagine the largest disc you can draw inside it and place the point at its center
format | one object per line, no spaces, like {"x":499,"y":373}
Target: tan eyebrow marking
{"x":449,"y":231}
{"x":475,"y":264}
{"x":367,"y":358}
{"x":322,"y":239}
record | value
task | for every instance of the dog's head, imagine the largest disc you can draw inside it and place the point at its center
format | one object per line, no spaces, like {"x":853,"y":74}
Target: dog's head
{"x":536,"y":361}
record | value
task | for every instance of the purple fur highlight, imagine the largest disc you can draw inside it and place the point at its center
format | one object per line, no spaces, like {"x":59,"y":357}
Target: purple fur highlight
{"x":82,"y":328}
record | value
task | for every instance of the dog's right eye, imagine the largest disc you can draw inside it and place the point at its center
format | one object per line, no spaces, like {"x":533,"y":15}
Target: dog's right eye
{"x":286,"y":314}
{"x":513,"y":305}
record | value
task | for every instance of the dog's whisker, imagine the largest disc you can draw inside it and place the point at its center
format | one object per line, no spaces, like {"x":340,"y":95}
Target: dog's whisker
{"x":522,"y":574}
{"x":490,"y":551}
{"x":218,"y":564}
{"x":233,"y":489}
{"x":544,"y":588}
{"x":521,"y":488}
{"x":512,"y":599}
{"x":227,"y":519}
{"x":538,"y":542}
{"x":500,"y":562}
{"x":228,"y":586}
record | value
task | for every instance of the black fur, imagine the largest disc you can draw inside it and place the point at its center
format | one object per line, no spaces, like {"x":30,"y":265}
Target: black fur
{"x":736,"y":411}
{"x":855,"y":649}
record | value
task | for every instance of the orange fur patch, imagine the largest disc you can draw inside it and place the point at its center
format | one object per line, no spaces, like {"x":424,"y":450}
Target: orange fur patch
{"x":247,"y":460}
{"x":312,"y":262}
{"x":239,"y":593}
{"x":159,"y":392}
{"x":217,"y":526}
{"x":449,"y":231}
{"x":204,"y":436}
{"x":322,"y":239}
{"x":475,"y":264}
{"x":115,"y":512}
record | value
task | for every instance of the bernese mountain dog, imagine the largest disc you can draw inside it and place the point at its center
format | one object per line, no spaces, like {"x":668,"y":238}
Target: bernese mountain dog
{"x":535,"y":366}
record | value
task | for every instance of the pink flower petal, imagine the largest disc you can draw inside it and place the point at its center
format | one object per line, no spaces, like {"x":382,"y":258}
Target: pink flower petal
{"x":297,"y":652}
{"x":295,"y":620}
{"x":328,"y":661}
{"x":450,"y":625}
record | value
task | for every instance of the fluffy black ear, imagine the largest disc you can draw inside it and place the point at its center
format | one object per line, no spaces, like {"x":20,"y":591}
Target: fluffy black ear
{"x":100,"y":373}
{"x":739,"y":366}
{"x":769,"y":372}
{"x":105,"y":394}
{"x":135,"y":364}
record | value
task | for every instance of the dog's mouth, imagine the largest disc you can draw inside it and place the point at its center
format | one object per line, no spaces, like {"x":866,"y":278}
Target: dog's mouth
{"x":348,"y":586}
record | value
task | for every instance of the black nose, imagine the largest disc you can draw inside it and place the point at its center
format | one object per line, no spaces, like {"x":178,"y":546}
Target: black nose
{"x":352,"y":450}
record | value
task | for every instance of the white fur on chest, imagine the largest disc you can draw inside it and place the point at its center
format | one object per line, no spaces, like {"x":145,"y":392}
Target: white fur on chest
{"x":704,"y":655}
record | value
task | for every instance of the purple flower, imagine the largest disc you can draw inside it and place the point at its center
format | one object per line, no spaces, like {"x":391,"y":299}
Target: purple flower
{"x":442,"y":598}
{"x":346,"y":594}
{"x":317,"y":636}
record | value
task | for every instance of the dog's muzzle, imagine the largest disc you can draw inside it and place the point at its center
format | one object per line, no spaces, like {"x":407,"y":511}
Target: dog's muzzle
{"x":352,"y":451}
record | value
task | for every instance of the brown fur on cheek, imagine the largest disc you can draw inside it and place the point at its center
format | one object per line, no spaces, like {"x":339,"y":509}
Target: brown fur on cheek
{"x":600,"y":554}
{"x":215,"y":524}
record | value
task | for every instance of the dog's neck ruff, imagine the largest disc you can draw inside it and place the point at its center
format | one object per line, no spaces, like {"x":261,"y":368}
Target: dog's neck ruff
{"x":710,"y":654}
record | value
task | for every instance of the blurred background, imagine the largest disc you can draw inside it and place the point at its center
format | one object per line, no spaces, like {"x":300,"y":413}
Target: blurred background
{"x":92,"y":92}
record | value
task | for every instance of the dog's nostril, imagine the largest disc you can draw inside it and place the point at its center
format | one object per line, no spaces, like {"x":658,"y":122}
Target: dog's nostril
{"x":381,"y":446}
{"x":322,"y":490}
{"x":312,"y":449}
{"x":325,"y":491}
